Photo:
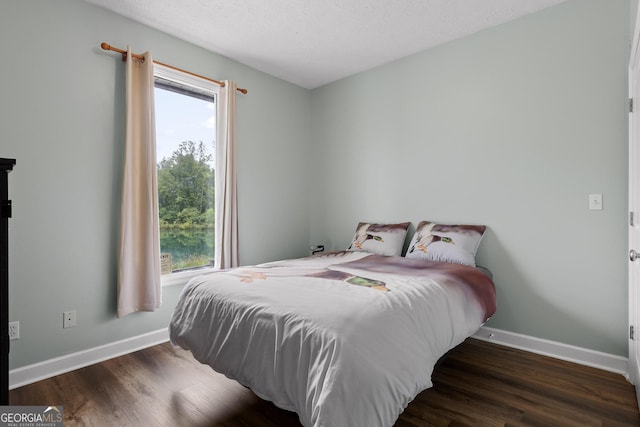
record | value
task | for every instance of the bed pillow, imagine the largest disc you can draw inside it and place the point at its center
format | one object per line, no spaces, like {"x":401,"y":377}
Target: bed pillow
{"x":381,"y":239}
{"x":447,"y":243}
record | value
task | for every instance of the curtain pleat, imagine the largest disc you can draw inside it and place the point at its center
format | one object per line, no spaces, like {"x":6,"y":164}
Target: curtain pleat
{"x":226,"y":214}
{"x":139,"y":285}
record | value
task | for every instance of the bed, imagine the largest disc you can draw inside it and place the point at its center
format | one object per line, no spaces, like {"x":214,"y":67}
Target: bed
{"x":344,"y":338}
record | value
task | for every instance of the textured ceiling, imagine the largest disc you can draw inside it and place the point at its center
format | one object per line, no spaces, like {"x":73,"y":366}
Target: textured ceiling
{"x":314,"y":42}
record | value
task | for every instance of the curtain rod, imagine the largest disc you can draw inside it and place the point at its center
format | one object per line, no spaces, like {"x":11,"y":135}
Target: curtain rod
{"x":107,"y":46}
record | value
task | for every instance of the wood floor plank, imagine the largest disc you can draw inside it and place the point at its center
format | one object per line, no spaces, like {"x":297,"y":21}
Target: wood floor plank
{"x":477,"y":384}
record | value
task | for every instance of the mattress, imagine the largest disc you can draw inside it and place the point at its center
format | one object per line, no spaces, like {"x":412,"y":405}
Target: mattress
{"x":342,"y":339}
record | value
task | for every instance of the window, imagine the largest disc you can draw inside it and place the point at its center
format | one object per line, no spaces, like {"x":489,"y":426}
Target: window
{"x":185,"y":108}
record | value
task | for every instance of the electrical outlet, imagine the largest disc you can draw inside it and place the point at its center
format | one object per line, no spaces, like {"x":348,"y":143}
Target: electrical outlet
{"x":69,"y":319}
{"x":14,"y":330}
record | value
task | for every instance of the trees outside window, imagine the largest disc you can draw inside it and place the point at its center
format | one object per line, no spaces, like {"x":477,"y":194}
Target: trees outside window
{"x":185,"y":145}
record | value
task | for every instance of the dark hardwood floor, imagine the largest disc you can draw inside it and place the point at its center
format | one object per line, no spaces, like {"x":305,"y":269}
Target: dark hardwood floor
{"x":477,"y":384}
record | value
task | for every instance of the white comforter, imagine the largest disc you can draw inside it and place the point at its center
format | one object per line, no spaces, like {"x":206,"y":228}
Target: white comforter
{"x":344,"y":339}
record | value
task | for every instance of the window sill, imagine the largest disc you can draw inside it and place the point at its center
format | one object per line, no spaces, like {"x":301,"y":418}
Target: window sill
{"x":182,"y":277}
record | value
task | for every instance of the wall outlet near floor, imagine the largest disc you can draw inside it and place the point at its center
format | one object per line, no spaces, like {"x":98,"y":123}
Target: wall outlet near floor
{"x":69,"y":319}
{"x":14,"y":330}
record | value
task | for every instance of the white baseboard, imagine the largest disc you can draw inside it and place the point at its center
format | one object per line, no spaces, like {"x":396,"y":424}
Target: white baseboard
{"x":582,"y":356}
{"x":38,"y":371}
{"x":59,"y":365}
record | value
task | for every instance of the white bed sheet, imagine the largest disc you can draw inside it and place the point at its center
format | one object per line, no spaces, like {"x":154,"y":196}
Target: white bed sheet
{"x":338,"y":354}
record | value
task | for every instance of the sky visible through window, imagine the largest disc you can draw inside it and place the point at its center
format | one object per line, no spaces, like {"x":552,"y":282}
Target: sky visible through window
{"x":182,"y":118}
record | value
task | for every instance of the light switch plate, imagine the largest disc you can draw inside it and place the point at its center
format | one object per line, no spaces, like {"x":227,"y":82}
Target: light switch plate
{"x":595,"y":202}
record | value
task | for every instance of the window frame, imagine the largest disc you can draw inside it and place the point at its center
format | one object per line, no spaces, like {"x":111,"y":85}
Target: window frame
{"x":190,"y":83}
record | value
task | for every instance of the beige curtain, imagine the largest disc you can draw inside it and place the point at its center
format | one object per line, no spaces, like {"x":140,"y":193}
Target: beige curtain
{"x":226,"y":244}
{"x":139,"y":287}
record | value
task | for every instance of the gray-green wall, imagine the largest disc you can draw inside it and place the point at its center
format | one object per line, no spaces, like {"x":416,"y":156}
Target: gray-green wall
{"x":512,"y":127}
{"x":62,"y":118}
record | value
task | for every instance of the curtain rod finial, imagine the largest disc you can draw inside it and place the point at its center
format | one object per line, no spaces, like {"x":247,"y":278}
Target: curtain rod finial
{"x":105,"y":46}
